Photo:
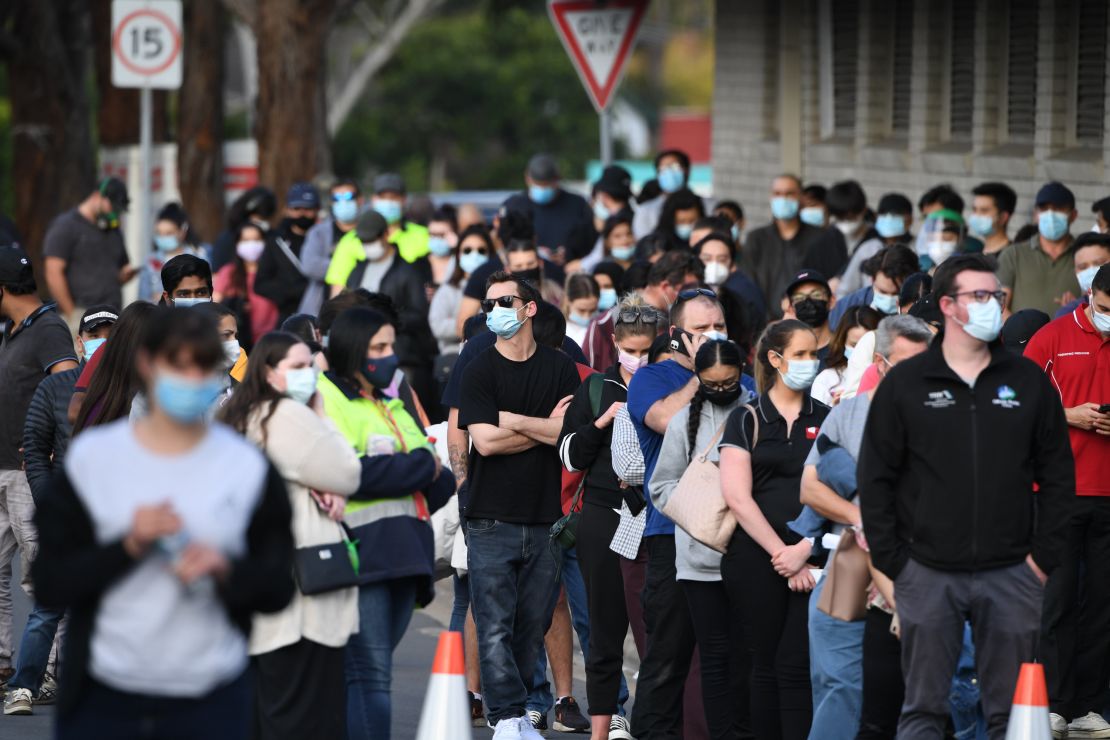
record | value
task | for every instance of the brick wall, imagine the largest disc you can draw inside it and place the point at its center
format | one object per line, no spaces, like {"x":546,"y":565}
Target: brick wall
{"x":746,"y":146}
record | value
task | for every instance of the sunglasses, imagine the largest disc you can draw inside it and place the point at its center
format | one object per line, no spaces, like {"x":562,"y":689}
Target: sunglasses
{"x":691,"y":293}
{"x":646,"y":315}
{"x":345,"y":195}
{"x":505,"y":301}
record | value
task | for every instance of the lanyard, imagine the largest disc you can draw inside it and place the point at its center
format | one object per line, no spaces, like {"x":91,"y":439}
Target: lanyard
{"x":384,"y":409}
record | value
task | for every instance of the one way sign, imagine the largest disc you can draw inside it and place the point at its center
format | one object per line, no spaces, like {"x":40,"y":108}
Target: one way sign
{"x":598,"y":36}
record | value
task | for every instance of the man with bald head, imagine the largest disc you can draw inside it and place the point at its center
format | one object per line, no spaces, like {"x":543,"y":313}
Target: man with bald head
{"x":774,"y":253}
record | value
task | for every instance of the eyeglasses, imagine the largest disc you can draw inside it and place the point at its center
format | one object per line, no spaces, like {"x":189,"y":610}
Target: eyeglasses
{"x":646,"y":315}
{"x":479,"y":250}
{"x":981,"y":296}
{"x":720,"y":387}
{"x":505,"y":301}
{"x":345,"y":195}
{"x":817,"y":295}
{"x":691,"y":293}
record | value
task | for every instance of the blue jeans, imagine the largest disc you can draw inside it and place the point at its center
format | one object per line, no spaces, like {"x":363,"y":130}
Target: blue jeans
{"x":541,"y":699}
{"x":967,"y":715}
{"x":34,"y":649}
{"x":836,"y":672}
{"x":461,"y":603}
{"x":384,"y":612}
{"x":512,"y":593}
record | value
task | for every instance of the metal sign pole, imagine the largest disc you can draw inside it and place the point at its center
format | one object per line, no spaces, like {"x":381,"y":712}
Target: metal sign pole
{"x":606,"y":120}
{"x":146,"y":185}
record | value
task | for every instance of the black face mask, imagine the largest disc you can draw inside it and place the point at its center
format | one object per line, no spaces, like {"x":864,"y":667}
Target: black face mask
{"x":304,"y":223}
{"x":107,"y":221}
{"x":721,"y":398}
{"x":811,"y":312}
{"x":533,"y":276}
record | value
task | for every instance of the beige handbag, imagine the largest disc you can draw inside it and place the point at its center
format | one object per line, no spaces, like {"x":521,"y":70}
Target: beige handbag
{"x":698,"y":505}
{"x":847,"y":578}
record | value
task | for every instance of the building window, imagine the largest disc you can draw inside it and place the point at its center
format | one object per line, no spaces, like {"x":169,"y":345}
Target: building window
{"x":1090,"y":73}
{"x":961,"y":71}
{"x":845,"y":62}
{"x":1021,"y":72}
{"x":902,"y":67}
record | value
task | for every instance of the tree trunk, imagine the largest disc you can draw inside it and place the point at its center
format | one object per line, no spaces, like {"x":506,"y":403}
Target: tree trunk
{"x":118,"y":108}
{"x":200,"y":118}
{"x":291,"y":121}
{"x":52,"y":155}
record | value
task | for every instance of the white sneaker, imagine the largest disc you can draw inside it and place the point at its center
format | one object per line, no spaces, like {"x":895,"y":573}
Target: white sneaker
{"x":1058,"y":725}
{"x":1090,"y":726}
{"x":18,"y":701}
{"x":510,"y":729}
{"x":619,"y":728}
{"x":528,"y":729}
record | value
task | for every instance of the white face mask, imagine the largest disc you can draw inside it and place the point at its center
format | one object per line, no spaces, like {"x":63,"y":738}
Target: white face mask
{"x":847,"y":228}
{"x":374,"y":250}
{"x":715,"y":273}
{"x":232,"y":350}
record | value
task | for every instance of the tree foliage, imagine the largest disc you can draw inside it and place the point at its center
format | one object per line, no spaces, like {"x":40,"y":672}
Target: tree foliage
{"x":466,"y":100}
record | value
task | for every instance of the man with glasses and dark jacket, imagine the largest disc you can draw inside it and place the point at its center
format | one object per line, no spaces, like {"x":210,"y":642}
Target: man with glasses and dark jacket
{"x":965,"y":481}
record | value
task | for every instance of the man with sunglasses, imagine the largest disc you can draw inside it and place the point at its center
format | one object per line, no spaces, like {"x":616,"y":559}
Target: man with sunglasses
{"x":966,"y":480}
{"x":345,"y":204}
{"x":513,"y":399}
{"x":656,"y":393}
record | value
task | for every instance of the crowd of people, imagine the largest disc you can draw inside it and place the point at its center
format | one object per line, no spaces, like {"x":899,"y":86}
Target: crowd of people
{"x":838,"y":475}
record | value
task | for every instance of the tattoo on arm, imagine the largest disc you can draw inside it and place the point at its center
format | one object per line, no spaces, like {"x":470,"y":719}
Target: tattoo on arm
{"x":458,"y":462}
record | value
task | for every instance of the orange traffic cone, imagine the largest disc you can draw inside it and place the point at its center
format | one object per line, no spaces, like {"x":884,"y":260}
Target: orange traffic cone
{"x":1029,"y":715}
{"x":446,"y":713}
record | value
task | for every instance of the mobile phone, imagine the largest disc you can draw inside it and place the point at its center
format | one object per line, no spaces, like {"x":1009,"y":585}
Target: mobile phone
{"x":677,"y":345}
{"x":1104,"y":408}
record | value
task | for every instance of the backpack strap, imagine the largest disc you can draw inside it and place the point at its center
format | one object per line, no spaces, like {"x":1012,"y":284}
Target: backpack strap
{"x":595,"y":383}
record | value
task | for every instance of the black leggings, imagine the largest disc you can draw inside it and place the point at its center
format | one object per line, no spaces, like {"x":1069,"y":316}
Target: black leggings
{"x":726,"y":662}
{"x":883,"y":688}
{"x":601,"y":571}
{"x":777,"y":620}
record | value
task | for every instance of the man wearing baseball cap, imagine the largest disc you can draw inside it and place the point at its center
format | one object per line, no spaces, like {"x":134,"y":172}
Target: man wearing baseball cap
{"x":809,"y":298}
{"x":46,"y":435}
{"x":35,"y":343}
{"x":1041,"y":272}
{"x":280,"y":275}
{"x":86,"y":262}
{"x":410,"y":238}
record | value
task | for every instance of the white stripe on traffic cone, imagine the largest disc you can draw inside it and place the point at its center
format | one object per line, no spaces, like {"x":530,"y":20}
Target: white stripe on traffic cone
{"x":446,"y":713}
{"x":1029,"y":715}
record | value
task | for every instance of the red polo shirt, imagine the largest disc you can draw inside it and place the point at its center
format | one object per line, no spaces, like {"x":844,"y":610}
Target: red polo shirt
{"x":1077,"y":360}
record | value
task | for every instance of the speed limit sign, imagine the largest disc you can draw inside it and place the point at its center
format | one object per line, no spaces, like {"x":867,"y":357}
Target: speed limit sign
{"x":146,"y":43}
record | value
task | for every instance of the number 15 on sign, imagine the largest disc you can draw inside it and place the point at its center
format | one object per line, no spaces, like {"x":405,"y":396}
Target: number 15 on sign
{"x":146,"y":44}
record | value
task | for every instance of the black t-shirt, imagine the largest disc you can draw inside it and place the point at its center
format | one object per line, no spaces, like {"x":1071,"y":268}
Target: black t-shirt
{"x":524,"y":487}
{"x":777,"y":461}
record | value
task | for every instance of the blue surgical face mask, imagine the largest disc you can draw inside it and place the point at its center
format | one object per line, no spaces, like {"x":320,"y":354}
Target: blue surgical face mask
{"x":390,"y":210}
{"x":784,"y":209}
{"x":471,"y":261}
{"x":541,"y":194}
{"x":345,"y":211}
{"x":92,"y":345}
{"x":799,"y":374}
{"x":601,"y":213}
{"x":1052,"y":225}
{"x":185,"y":400}
{"x":890,"y":225}
{"x":623,"y":253}
{"x":504,"y":321}
{"x":683,"y":231}
{"x":1100,"y":320}
{"x":579,"y":320}
{"x":984,"y":320}
{"x":885,"y":304}
{"x":715,"y":336}
{"x":671,"y":179}
{"x":848,"y":352}
{"x":439,"y":246}
{"x":813,"y":215}
{"x":980,"y":225}
{"x":1086,"y":278}
{"x":300,"y":384}
{"x":166,"y":242}
{"x":607,"y":299}
{"x":189,"y":302}
{"x":380,"y":370}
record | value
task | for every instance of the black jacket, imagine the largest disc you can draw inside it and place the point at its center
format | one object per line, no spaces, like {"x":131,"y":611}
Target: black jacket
{"x":416,"y":346}
{"x":46,"y":429}
{"x":946,"y":472}
{"x":582,"y":446}
{"x":279,"y":275}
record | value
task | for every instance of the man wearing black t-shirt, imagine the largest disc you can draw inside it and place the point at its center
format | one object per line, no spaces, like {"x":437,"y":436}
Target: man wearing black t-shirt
{"x":513,"y":398}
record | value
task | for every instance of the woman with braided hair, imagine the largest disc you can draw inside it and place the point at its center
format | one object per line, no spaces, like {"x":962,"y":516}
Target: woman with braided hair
{"x":724,"y":664}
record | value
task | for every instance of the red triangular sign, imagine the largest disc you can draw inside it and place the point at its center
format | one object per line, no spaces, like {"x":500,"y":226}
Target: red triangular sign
{"x":598,"y":36}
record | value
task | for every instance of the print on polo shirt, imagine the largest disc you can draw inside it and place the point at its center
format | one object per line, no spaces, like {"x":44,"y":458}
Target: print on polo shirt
{"x":1007,"y":398}
{"x":941,"y":400}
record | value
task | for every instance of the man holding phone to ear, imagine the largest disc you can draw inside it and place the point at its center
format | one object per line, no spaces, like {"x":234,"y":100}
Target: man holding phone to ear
{"x":657,"y":392}
{"x":1074,"y":350}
